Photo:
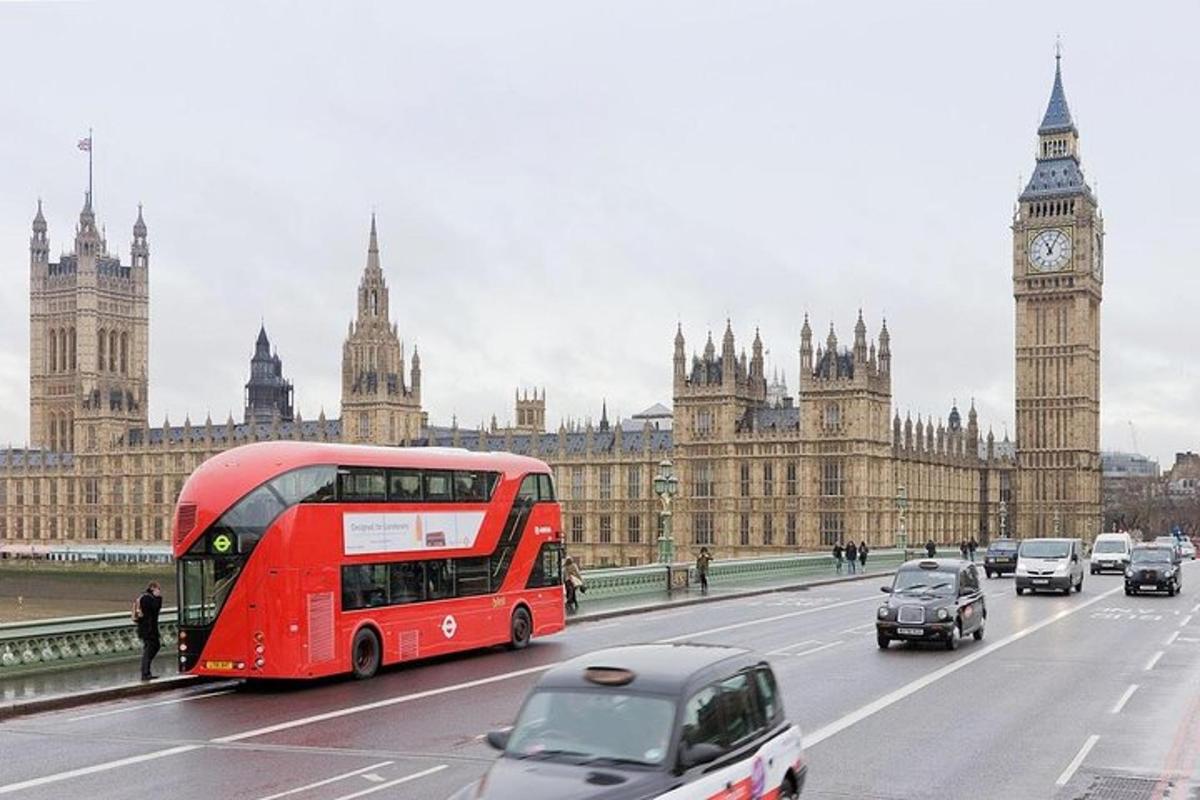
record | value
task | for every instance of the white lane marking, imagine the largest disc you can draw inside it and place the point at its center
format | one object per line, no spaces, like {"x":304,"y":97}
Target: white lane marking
{"x":786,"y":648}
{"x":373,"y":777}
{"x":1153,"y":660}
{"x":764,"y":620}
{"x":149,"y":705}
{"x":326,"y":782}
{"x":391,"y":701}
{"x":860,"y":628}
{"x":1069,"y":772}
{"x":415,"y":776}
{"x":1171,"y":639}
{"x":78,"y":773}
{"x":875,"y":706}
{"x":1196,"y":608}
{"x":812,"y":650}
{"x":1133,"y":687}
{"x":1185,"y":621}
{"x":601,"y":626}
{"x":1187,"y":639}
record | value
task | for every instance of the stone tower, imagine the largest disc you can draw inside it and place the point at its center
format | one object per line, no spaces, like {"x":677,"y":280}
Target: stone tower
{"x":379,"y":405}
{"x":1058,"y":276}
{"x":845,"y":407}
{"x":268,"y":393}
{"x":531,"y":411}
{"x":89,"y":337}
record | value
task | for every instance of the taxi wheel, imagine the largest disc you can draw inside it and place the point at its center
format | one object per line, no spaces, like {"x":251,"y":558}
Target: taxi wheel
{"x":978,"y":633}
{"x":365,"y":654}
{"x":1020,"y":590}
{"x":1170,"y":590}
{"x":952,"y":641}
{"x":882,"y":640}
{"x":522,"y":628}
{"x":787,"y":790}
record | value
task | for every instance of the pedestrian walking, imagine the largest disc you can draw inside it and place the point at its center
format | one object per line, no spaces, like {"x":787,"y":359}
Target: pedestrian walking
{"x":852,"y":557}
{"x":862,"y":554}
{"x":145,"y":614}
{"x":972,"y":546}
{"x":837,"y":557}
{"x":702,"y":562}
{"x":963,"y":549}
{"x":573,"y":582}
{"x":930,"y":548}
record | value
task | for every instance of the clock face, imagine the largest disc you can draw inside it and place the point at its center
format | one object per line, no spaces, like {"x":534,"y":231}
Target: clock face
{"x":1098,"y":258}
{"x":1050,"y":250}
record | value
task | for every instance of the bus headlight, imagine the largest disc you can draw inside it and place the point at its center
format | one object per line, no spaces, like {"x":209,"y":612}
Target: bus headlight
{"x":259,"y":649}
{"x":258,"y":662}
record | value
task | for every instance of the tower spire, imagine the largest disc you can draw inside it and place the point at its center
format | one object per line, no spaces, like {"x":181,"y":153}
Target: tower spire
{"x":1057,"y":118}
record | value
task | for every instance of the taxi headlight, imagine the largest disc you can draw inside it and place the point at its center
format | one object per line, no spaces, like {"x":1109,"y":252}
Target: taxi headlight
{"x":883,"y":612}
{"x":943,"y":614}
{"x":1129,"y":572}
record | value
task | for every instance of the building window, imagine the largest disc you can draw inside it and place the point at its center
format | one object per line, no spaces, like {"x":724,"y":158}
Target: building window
{"x":605,"y":529}
{"x":139,"y":492}
{"x":704,"y":422}
{"x":578,"y":488}
{"x":745,"y":530}
{"x":831,"y":477}
{"x":832,"y":418}
{"x":791,"y":479}
{"x":791,"y":530}
{"x":118,"y":528}
{"x":37,"y":492}
{"x":91,"y":529}
{"x":744,"y":478}
{"x":91,"y":492}
{"x":832,"y":528}
{"x":118,"y":492}
{"x":364,"y":426}
{"x":158,"y":490}
{"x":70,"y":492}
{"x":137,"y":528}
{"x":635,"y":529}
{"x":768,"y":529}
{"x":634,"y":484}
{"x":158,"y":528}
{"x":53,"y":493}
{"x":37,"y":527}
{"x":768,"y":479}
{"x":577,"y":529}
{"x":20,"y":528}
{"x":703,"y":528}
{"x":606,"y":483}
{"x":702,"y":479}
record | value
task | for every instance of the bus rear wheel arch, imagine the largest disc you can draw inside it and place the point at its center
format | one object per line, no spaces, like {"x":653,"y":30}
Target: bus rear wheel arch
{"x":520,"y":628}
{"x":366,"y":653}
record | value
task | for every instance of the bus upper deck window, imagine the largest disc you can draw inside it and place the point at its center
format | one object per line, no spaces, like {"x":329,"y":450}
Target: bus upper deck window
{"x":404,"y":485}
{"x":437,"y":487}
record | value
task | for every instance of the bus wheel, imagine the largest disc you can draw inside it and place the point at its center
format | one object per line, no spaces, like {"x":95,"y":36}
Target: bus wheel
{"x":522,"y":629}
{"x":365,"y":654}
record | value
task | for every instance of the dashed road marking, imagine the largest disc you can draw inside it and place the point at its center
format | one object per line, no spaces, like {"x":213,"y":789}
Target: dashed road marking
{"x":1069,"y":772}
{"x":1185,"y":621}
{"x":140,"y":706}
{"x":326,"y":781}
{"x":1153,"y":660}
{"x":1171,"y":639}
{"x":812,"y":650}
{"x":788,"y":647}
{"x":379,"y":787}
{"x":1133,"y":687}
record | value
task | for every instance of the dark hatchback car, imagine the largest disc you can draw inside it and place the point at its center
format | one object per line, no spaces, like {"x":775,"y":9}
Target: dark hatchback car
{"x":1001,"y":557}
{"x":1153,"y":568}
{"x":932,"y":599}
{"x":641,"y":721}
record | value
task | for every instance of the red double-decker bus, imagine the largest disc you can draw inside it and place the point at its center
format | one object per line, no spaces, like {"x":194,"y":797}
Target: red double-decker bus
{"x":297,"y":560}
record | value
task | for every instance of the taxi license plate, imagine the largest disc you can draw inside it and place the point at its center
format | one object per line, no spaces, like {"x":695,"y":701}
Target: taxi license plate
{"x":1040,"y":581}
{"x":910,"y":631}
{"x":218,"y":665}
{"x":1150,"y":586}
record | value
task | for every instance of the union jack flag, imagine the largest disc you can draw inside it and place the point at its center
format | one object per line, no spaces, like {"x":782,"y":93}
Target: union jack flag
{"x":86,"y":144}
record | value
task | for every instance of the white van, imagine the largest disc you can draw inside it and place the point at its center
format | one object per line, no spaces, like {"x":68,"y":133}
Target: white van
{"x":1051,"y":564}
{"x":1111,"y":551}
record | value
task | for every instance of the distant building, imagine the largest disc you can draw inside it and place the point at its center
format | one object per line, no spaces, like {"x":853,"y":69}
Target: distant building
{"x":1183,"y":479}
{"x":268,"y":394}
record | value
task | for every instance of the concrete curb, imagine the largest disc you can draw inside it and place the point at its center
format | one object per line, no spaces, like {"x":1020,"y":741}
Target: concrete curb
{"x":693,"y":601}
{"x":19,"y":708}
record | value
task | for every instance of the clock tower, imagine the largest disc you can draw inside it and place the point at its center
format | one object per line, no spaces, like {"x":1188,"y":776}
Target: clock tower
{"x":1058,"y":279}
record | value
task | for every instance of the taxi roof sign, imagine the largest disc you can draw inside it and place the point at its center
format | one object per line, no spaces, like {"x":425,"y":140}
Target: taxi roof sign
{"x":608,"y":676}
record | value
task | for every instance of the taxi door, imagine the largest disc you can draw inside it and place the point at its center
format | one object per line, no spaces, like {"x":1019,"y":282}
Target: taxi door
{"x":971,"y":609}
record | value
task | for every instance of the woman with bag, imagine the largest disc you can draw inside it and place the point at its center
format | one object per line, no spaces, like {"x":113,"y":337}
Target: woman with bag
{"x":573,"y":580}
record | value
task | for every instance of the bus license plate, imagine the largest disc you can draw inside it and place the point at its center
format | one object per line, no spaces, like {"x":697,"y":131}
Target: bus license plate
{"x":218,"y":665}
{"x":910,"y":631}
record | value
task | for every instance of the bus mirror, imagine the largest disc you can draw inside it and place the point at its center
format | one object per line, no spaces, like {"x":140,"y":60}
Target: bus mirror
{"x":498,"y":739}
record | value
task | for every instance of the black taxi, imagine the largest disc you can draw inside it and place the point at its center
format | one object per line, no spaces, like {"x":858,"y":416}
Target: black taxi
{"x":654,"y":720}
{"x":1154,"y":568}
{"x":932,"y":599}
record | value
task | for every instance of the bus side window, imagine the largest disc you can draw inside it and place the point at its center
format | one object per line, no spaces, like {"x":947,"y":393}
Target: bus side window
{"x":472,"y":576}
{"x":364,"y":586}
{"x":361,"y":485}
{"x":545,"y":488}
{"x":439,"y":579}
{"x":438,"y":488}
{"x":404,"y":485}
{"x":547,"y":568}
{"x":469,"y":487}
{"x":407,"y":580}
{"x":529,"y":489}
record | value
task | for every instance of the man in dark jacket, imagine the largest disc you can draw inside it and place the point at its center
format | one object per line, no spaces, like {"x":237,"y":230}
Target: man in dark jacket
{"x":837,"y":557}
{"x":931,"y":548}
{"x":148,"y":606}
{"x":852,"y":556}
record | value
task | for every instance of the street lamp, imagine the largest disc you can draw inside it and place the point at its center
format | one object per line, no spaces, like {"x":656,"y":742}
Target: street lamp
{"x":665,"y":486}
{"x":902,"y":505}
{"x":1003,"y":519}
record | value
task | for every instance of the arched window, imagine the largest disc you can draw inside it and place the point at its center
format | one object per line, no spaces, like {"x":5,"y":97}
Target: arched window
{"x":71,"y":343}
{"x":101,"y":341}
{"x":53,"y":433}
{"x":62,"y":350}
{"x":53,"y":351}
{"x":113,"y":345}
{"x":124,"y":353}
{"x":374,"y":303}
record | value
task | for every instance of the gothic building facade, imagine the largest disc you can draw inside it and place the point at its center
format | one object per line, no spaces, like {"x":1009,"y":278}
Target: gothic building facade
{"x":760,"y":472}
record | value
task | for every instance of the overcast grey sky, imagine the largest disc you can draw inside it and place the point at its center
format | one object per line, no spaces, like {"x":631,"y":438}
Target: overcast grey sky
{"x":559,"y":183}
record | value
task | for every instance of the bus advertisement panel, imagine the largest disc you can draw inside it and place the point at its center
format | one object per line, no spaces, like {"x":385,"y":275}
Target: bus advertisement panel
{"x":298,"y":560}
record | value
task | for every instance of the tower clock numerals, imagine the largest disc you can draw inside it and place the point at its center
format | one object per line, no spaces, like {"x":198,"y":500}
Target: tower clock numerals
{"x":1049,"y":250}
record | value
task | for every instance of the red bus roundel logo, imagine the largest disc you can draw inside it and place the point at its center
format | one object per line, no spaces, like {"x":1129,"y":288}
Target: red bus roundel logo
{"x":449,"y":626}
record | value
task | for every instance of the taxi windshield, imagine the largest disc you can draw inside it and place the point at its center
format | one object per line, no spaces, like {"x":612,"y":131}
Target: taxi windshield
{"x":593,"y":726}
{"x":924,"y":581}
{"x":1148,"y":556}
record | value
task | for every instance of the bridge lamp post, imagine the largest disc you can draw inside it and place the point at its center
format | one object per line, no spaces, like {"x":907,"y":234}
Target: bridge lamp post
{"x":902,"y":505}
{"x":665,"y":486}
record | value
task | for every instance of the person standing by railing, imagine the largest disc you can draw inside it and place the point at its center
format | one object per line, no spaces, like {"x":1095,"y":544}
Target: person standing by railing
{"x":702,"y":562}
{"x":837,"y":557}
{"x":852,"y":556}
{"x":862,"y":554}
{"x":146,"y":610}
